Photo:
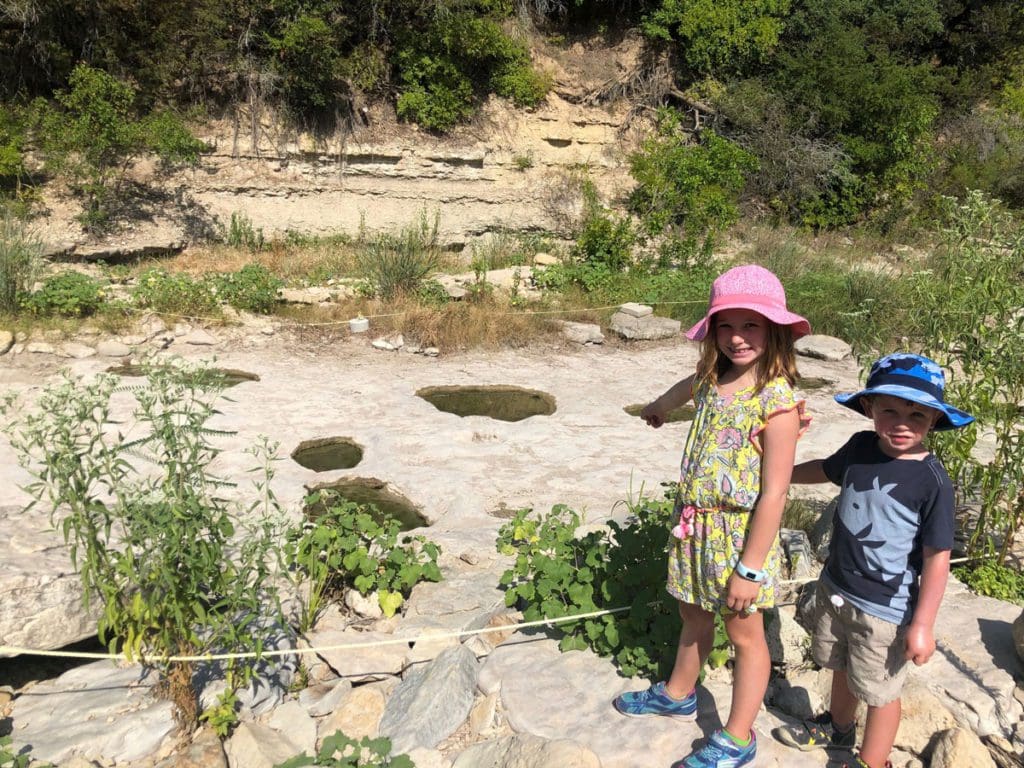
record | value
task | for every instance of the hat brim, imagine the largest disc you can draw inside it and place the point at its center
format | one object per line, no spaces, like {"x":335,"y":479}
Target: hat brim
{"x":797,"y":324}
{"x":952,"y":418}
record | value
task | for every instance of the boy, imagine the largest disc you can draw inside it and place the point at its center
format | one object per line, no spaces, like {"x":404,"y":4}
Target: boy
{"x":888,"y":560}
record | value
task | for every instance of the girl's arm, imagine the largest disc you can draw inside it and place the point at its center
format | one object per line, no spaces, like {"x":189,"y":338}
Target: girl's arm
{"x":779,"y":450}
{"x":654,"y":413}
{"x":920,"y":634}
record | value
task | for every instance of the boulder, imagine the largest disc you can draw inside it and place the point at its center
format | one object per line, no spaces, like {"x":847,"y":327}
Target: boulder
{"x":644,"y":328}
{"x":958,"y":747}
{"x":823,"y":347}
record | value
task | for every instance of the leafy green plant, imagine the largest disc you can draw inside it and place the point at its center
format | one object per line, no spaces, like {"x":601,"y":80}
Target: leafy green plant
{"x":347,"y":546}
{"x":394,"y":266}
{"x":174,"y":569}
{"x":340,"y":751}
{"x":690,"y":187}
{"x":20,"y":261}
{"x":252,"y":288}
{"x":993,"y":580}
{"x":176,"y":293}
{"x":222,"y":716}
{"x":971,"y":306}
{"x":558,"y":574}
{"x":21,"y":759}
{"x":69,"y":294}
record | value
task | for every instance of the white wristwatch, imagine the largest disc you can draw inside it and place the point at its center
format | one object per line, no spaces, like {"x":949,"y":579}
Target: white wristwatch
{"x":750,"y":574}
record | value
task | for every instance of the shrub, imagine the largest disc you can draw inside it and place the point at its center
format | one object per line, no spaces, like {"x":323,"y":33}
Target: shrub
{"x":605,"y":240}
{"x":19,"y":261}
{"x":68,"y":294}
{"x":176,"y":294}
{"x":691,"y":187}
{"x":556,"y":574}
{"x":96,"y":134}
{"x":253,"y":288}
{"x":241,"y":233}
{"x":348,"y":547}
{"x":174,"y":569}
{"x":993,"y":580}
{"x":394,"y":266}
{"x":306,"y":60}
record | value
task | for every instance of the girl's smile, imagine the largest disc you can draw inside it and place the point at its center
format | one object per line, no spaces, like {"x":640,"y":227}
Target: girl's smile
{"x":741,"y":335}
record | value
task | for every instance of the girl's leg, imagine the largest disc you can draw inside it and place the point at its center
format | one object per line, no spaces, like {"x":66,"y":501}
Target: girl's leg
{"x":880,"y":733}
{"x":751,"y":672}
{"x":695,"y":641}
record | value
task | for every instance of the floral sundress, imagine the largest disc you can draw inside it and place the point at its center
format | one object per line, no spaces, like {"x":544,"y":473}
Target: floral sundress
{"x":720,"y":479}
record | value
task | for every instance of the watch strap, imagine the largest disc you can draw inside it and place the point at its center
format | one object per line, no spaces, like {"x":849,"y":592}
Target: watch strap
{"x":750,"y":574}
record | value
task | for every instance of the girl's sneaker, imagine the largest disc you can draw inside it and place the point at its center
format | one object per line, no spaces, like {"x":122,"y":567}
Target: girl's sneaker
{"x":720,"y":752}
{"x":656,"y":701}
{"x":817,"y":733}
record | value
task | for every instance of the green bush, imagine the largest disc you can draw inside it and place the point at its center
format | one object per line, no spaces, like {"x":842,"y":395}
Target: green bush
{"x":339,"y":751}
{"x":68,"y":294}
{"x":242,"y":234}
{"x":307,"y":61}
{"x":347,"y":547}
{"x":176,"y":294}
{"x":719,"y":35}
{"x":605,"y":240}
{"x":253,"y":288}
{"x":556,"y":574}
{"x":398,"y":265}
{"x":174,"y":569}
{"x":693,"y":188}
{"x":993,"y":580}
{"x":20,"y":261}
{"x":96,"y":134}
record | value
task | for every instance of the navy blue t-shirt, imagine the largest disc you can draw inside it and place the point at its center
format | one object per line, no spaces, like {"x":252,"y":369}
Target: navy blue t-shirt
{"x":889,"y":510}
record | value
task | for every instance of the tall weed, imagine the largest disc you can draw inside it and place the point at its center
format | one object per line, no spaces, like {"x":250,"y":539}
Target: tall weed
{"x":20,"y":261}
{"x":397,"y":265}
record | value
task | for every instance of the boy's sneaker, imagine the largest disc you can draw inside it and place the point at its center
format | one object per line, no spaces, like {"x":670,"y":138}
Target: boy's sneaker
{"x":818,"y":733}
{"x":656,"y":701}
{"x":720,"y":752}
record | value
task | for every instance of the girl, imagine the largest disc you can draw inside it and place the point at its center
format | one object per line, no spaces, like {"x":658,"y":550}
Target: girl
{"x":733,"y":483}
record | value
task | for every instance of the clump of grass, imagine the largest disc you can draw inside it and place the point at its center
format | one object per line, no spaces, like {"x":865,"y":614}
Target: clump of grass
{"x":800,"y":515}
{"x":20,"y":261}
{"x":396,"y":265}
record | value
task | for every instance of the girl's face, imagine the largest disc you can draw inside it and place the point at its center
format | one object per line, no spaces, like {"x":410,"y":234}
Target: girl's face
{"x":742,"y":336}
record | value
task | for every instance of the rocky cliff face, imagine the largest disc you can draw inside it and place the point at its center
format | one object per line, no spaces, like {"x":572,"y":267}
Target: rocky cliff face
{"x":513,"y":170}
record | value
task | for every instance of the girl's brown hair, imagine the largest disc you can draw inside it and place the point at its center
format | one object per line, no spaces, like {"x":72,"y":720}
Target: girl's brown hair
{"x":779,"y":358}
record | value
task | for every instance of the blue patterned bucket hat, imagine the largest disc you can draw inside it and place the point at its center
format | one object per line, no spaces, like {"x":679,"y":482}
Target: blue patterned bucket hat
{"x":911,"y":377}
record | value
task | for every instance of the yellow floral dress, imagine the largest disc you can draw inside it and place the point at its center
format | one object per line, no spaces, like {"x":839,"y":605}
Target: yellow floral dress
{"x":720,"y":481}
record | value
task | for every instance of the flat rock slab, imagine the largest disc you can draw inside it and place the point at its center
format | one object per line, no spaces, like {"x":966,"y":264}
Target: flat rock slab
{"x":106,"y":713}
{"x":553,"y":695}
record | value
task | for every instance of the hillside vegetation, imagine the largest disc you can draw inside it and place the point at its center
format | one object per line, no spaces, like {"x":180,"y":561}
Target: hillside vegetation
{"x":828,"y":113}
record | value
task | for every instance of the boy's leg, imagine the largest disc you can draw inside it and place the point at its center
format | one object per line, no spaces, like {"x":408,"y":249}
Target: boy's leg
{"x":695,"y":641}
{"x":880,"y":733}
{"x":752,"y":669}
{"x":843,"y":704}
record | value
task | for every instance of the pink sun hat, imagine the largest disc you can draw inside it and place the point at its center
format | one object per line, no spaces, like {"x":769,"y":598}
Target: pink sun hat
{"x":750,"y":287}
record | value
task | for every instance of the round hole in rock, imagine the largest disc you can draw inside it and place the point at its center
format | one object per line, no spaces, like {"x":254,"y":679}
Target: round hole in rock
{"x":505,"y":403}
{"x":370,"y":490}
{"x":231,"y":376}
{"x":811,"y":383}
{"x":682,"y":413}
{"x":328,"y":453}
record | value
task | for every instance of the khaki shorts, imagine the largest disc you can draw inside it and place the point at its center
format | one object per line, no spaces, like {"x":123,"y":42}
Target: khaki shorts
{"x":870,"y":650}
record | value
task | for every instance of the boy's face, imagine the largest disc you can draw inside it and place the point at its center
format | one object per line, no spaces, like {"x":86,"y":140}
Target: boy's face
{"x":902,"y":425}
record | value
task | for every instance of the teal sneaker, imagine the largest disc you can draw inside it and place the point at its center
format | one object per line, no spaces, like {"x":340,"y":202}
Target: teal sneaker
{"x":720,"y":752}
{"x":656,"y":701}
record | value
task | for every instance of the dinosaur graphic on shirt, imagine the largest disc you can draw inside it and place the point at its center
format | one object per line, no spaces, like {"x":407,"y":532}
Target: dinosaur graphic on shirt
{"x":884,"y":531}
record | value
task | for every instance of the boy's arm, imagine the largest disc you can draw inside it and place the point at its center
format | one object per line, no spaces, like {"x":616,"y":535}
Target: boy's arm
{"x":809,"y":472}
{"x":920,"y":633}
{"x":654,"y":413}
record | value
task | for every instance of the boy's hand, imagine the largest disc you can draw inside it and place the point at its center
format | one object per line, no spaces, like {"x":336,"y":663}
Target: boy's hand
{"x":920,"y":643}
{"x":653,"y":415}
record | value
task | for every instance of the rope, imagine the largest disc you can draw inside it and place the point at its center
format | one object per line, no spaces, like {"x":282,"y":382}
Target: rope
{"x":17,"y":650}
